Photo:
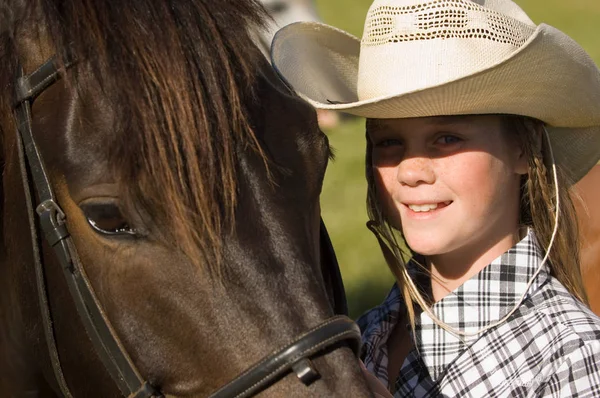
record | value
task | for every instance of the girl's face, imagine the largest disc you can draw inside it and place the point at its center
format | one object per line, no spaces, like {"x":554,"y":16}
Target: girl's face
{"x":449,"y":183}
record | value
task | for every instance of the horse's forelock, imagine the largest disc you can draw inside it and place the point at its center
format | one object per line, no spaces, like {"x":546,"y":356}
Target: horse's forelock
{"x":177,"y":74}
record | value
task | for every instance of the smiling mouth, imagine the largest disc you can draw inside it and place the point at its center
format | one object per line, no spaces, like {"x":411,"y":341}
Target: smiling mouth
{"x":424,"y":208}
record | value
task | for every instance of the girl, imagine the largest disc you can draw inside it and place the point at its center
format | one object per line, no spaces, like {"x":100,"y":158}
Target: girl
{"x":478,"y":122}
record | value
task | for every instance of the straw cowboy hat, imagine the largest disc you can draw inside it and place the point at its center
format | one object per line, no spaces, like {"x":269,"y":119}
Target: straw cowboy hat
{"x":284,"y":12}
{"x":450,"y":57}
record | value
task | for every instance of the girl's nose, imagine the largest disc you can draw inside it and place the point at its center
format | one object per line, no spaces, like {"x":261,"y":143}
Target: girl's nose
{"x":414,"y":171}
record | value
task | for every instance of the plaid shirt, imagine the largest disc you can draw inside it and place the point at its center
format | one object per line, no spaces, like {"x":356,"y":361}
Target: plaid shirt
{"x":550,"y":347}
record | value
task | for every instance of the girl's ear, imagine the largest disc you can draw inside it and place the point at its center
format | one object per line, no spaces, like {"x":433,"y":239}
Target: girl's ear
{"x":522,"y":162}
{"x":536,"y":130}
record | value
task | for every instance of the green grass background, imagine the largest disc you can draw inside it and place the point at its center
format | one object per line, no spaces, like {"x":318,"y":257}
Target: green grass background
{"x":365,"y":273}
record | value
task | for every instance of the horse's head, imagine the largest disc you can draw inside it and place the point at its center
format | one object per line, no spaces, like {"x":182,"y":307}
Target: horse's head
{"x":190,"y":180}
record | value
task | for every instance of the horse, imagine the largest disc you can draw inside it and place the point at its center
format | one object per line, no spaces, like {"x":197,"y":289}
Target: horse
{"x":159,"y":219}
{"x":586,"y":194}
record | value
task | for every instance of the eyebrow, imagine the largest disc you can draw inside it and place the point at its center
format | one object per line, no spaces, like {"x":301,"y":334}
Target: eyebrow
{"x":443,"y":120}
{"x":448,"y":119}
{"x":453,"y":119}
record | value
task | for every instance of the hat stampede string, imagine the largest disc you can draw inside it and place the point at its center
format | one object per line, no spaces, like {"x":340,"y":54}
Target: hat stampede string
{"x":389,"y":257}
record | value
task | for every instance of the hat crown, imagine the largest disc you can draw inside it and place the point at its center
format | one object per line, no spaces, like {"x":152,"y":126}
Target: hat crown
{"x":411,"y":44}
{"x":406,"y":19}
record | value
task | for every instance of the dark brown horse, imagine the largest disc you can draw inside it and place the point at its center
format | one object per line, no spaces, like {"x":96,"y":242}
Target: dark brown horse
{"x":588,"y":214}
{"x":190,"y":179}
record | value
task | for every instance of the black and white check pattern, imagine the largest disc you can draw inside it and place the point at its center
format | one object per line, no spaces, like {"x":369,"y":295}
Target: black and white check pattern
{"x":550,"y":347}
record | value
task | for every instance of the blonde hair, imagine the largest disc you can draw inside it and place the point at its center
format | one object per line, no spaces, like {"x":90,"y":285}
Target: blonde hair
{"x":537,"y":211}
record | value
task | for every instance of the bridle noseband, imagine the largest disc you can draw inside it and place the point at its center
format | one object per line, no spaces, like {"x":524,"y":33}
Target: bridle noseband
{"x":293,"y":357}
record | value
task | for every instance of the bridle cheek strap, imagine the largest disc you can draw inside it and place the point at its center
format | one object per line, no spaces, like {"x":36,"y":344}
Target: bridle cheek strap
{"x":53,"y":224}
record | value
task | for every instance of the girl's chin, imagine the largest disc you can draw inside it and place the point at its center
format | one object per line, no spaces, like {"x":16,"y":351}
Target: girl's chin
{"x":426,"y":246}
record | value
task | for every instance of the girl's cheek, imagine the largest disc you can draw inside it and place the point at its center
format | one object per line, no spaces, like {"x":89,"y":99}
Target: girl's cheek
{"x":386,"y":157}
{"x":384,"y":183}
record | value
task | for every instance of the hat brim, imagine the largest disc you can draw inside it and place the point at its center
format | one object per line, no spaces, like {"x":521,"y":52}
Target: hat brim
{"x":549,"y":78}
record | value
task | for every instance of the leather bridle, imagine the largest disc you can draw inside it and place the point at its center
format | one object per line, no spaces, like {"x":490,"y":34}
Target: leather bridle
{"x":294,"y":357}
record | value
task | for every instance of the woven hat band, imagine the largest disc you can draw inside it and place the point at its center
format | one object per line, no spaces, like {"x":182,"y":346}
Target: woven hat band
{"x":456,"y":37}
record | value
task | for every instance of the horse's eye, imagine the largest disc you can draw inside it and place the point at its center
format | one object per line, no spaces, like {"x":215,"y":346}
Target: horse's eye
{"x":107,"y":219}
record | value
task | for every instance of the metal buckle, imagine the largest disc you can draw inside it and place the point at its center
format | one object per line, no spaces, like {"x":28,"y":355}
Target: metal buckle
{"x":52,"y":219}
{"x":52,"y":206}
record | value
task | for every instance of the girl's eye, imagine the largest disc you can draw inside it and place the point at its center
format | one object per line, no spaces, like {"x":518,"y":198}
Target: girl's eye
{"x":107,"y":219}
{"x":448,"y":139}
{"x":388,"y":143}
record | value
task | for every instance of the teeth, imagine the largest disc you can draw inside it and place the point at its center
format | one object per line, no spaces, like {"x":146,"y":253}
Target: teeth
{"x":423,"y":208}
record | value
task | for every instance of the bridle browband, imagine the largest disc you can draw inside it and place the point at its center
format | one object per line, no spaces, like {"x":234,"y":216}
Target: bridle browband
{"x":293,"y":357}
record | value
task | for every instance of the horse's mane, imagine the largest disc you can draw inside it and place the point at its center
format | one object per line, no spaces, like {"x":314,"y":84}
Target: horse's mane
{"x":178,"y":74}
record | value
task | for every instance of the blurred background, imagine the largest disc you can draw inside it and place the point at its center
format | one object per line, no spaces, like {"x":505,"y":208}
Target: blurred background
{"x":366,"y":277}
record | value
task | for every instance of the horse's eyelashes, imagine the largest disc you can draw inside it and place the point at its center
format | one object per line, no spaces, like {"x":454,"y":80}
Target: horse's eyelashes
{"x":107,"y":219}
{"x":112,"y":229}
